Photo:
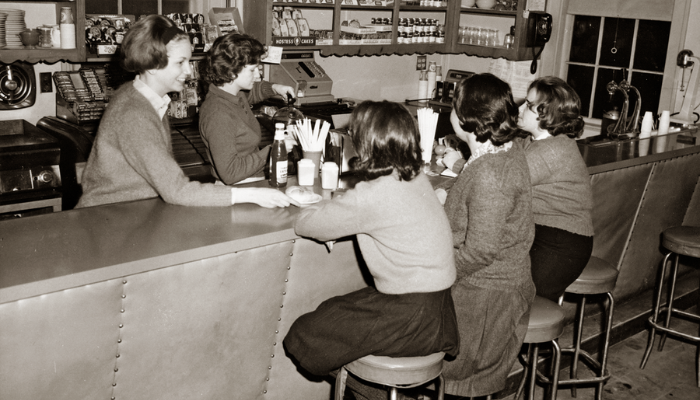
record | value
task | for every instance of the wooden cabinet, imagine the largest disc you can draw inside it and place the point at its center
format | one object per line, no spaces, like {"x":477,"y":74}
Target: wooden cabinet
{"x":329,"y":18}
{"x":51,"y":55}
{"x":502,"y":21}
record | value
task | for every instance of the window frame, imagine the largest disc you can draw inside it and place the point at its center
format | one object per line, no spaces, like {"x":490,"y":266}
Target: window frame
{"x":676,"y":42}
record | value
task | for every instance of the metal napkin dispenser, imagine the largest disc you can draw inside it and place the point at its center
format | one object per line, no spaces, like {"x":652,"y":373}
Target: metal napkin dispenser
{"x":339,"y":149}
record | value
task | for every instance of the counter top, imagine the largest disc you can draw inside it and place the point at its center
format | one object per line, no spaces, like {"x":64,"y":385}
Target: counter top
{"x":605,"y":155}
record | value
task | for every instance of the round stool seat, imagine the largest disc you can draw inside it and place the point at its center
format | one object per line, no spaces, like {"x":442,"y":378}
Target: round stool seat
{"x":683,"y":240}
{"x":599,"y":276}
{"x":546,"y":321}
{"x":399,"y":371}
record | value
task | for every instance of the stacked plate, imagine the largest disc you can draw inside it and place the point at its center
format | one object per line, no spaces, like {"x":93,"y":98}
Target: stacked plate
{"x":3,"y":18}
{"x":14,"y":24}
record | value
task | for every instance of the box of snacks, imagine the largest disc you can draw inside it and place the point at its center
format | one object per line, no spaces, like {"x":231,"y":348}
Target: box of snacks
{"x":104,"y":33}
{"x":290,"y":28}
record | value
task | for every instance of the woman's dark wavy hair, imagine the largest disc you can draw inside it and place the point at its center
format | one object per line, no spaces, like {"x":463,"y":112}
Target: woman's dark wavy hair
{"x":143,"y":47}
{"x":558,"y":106}
{"x":484,"y":105}
{"x":228,"y":55}
{"x":386,"y":138}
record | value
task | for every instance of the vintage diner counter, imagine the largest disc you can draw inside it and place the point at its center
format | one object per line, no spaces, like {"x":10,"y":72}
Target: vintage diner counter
{"x":146,"y":300}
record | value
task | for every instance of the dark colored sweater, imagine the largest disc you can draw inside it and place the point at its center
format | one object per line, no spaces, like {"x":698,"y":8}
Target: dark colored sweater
{"x":490,"y":211}
{"x":132,"y":159}
{"x":232,"y":133}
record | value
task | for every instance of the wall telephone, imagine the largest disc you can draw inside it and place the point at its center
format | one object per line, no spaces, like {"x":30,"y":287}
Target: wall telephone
{"x":539,"y":29}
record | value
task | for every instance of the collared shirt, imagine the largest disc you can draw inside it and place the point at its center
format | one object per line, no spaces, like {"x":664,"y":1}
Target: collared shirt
{"x":542,"y":136}
{"x":487,"y":148}
{"x":160,"y":104}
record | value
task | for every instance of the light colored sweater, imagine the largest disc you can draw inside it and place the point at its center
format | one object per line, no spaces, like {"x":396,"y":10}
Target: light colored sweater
{"x":561,"y":186}
{"x":132,"y":159}
{"x":490,"y":211}
{"x":232,"y":133}
{"x":401,"y":229}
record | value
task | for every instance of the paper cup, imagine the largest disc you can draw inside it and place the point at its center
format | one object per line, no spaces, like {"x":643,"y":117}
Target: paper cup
{"x":314,"y":156}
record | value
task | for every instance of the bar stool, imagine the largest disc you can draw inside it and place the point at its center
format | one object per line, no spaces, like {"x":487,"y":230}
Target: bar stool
{"x":598,"y":277}
{"x":396,"y":373}
{"x":681,"y":241}
{"x":546,"y":325}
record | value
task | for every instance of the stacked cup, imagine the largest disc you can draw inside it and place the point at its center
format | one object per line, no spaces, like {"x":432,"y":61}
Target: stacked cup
{"x":67,"y":28}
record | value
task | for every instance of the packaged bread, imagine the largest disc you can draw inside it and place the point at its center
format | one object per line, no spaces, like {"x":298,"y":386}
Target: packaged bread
{"x":287,"y":13}
{"x":276,"y":31}
{"x":284,"y":30}
{"x":303,"y":27}
{"x":296,"y":14}
{"x":292,"y":27}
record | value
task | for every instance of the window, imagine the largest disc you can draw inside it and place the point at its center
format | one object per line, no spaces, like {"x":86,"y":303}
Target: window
{"x":609,"y":40}
{"x":605,"y":49}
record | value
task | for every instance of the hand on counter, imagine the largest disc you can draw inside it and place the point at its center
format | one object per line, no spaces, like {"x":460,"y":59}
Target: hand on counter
{"x":268,"y":198}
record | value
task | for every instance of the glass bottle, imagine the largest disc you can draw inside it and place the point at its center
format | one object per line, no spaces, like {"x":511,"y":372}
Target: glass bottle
{"x":277,"y":166}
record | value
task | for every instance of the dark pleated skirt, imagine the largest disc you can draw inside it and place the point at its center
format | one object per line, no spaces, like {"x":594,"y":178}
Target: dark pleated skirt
{"x":345,"y":328}
{"x":558,"y":257}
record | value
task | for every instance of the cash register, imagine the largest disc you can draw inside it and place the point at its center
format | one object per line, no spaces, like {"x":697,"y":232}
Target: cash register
{"x":312,"y":85}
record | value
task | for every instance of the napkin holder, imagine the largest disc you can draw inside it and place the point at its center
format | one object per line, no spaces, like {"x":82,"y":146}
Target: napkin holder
{"x":341,"y":154}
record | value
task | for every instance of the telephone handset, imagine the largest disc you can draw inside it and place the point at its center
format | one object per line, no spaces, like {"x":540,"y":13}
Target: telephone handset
{"x":539,"y":29}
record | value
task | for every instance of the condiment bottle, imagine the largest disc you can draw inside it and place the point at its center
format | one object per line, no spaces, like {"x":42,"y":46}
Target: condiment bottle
{"x":277,"y":166}
{"x":329,"y":175}
{"x":432,"y":76}
{"x":423,"y":86}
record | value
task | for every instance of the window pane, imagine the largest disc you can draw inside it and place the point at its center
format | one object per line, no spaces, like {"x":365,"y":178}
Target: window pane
{"x":617,"y":34}
{"x":602,"y":97}
{"x":649,"y":86}
{"x":584,"y":41}
{"x":580,"y":78}
{"x":139,"y":7}
{"x":101,"y":7}
{"x":652,"y":43}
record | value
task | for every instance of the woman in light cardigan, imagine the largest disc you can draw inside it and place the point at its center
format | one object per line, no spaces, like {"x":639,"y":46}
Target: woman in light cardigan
{"x":561,"y":188}
{"x":132,"y":156}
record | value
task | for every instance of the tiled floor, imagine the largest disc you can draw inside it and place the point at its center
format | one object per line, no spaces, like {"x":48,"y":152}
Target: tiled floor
{"x":669,"y":374}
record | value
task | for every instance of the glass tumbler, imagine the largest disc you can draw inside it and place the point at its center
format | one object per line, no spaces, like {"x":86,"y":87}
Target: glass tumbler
{"x":480,"y":36}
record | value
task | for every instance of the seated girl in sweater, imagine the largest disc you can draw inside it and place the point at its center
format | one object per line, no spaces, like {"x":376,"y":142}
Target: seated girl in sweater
{"x":561,"y":188}
{"x":132,"y":157}
{"x":404,"y":237}
{"x":489,"y":206}
{"x":227,"y":125}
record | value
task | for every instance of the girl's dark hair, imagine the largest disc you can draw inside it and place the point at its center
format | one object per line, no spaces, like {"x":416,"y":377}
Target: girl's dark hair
{"x":484,"y":105}
{"x":228,"y":55}
{"x":144,"y":45}
{"x":386,"y":138}
{"x":557,"y":106}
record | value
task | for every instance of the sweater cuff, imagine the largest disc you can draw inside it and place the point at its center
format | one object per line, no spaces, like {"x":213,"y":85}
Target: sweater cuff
{"x":458,"y":166}
{"x":266,"y":90}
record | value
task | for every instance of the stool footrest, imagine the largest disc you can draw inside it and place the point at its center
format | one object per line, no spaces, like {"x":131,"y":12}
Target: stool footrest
{"x":671,"y":331}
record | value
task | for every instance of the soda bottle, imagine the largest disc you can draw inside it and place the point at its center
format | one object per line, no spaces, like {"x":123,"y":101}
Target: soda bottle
{"x":277,"y":166}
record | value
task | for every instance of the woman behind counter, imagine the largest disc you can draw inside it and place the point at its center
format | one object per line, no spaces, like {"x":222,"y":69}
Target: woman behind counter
{"x":228,"y":126}
{"x":404,"y":238}
{"x":490,"y":210}
{"x":561,"y":188}
{"x":132,"y":156}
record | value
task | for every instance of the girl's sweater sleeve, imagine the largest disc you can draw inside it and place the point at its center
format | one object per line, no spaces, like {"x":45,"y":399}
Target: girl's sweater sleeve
{"x":261,"y":91}
{"x":147,"y":150}
{"x":330,"y":220}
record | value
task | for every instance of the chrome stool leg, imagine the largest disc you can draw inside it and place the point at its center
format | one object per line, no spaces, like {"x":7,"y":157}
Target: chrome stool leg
{"x":669,"y":310}
{"x":655,"y":317}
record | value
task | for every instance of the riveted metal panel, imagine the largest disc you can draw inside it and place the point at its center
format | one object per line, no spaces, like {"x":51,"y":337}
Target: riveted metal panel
{"x":60,"y":345}
{"x":203,"y":329}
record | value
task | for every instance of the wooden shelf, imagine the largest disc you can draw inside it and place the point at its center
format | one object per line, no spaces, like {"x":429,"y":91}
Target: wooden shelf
{"x":52,"y":55}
